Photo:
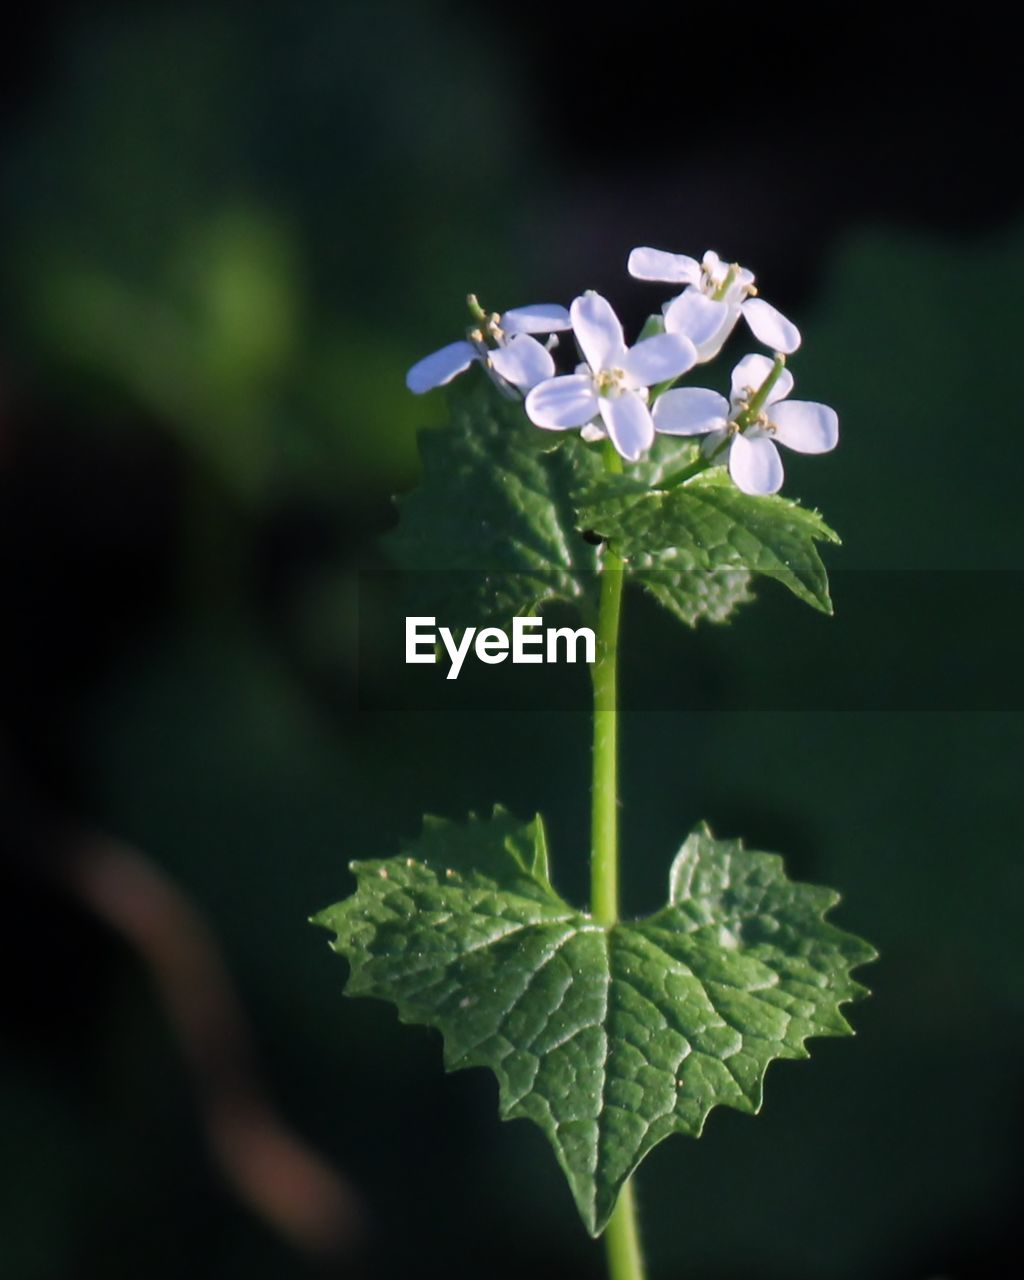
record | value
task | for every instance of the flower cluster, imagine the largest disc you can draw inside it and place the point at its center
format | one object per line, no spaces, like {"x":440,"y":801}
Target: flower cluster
{"x":627,"y":394}
{"x":516,"y":359}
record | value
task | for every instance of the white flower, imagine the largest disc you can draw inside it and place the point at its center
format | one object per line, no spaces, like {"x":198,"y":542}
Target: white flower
{"x":751,"y":422}
{"x":715,"y":297}
{"x":517,"y":358}
{"x":613,"y":383}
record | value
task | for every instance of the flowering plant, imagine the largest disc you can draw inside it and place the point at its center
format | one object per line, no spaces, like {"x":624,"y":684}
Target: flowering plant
{"x":567,"y":485}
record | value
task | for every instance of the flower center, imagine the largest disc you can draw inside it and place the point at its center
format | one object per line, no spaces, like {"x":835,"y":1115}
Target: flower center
{"x":719,"y":281}
{"x":610,"y":382}
{"x":486,"y":325}
{"x":743,"y":423}
{"x":746,"y":413}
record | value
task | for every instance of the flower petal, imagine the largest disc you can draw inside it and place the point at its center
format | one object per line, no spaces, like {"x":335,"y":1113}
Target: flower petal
{"x":659,"y":359}
{"x":770,"y":326}
{"x":545,"y":317}
{"x":708,"y":350}
{"x":440,"y":367}
{"x":656,"y":264}
{"x":755,"y":465}
{"x":751,"y":372}
{"x":523,"y":361}
{"x":559,"y":404}
{"x":698,"y":317}
{"x":629,"y":424}
{"x":592,"y":432}
{"x":745,"y":278}
{"x":806,"y":426}
{"x":690,"y":411}
{"x":598,"y":331}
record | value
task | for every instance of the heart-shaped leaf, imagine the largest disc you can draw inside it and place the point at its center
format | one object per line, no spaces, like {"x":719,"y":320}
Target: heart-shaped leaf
{"x":609,"y":1039}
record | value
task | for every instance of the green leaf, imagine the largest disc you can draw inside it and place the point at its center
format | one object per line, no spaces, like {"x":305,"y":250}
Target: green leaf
{"x":668,"y":573}
{"x":609,"y":1039}
{"x":495,"y":528}
{"x":704,"y":527}
{"x":490,"y":533}
{"x":691,"y":594}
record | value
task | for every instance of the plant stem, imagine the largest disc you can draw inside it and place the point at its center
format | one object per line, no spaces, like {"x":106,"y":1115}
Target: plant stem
{"x":720,"y":293}
{"x":604,"y":826}
{"x":760,"y":396}
{"x":622,"y":1240}
{"x":687,"y":473}
{"x":621,"y":1236}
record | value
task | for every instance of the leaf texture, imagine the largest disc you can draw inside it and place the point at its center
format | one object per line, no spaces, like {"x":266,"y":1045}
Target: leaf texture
{"x":609,"y":1039}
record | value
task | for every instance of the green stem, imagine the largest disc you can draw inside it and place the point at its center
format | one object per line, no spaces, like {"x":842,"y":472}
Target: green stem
{"x":758,"y":399}
{"x":621,"y":1236}
{"x":686,"y":473}
{"x":622,"y":1239}
{"x":722,"y":291}
{"x":604,"y":831}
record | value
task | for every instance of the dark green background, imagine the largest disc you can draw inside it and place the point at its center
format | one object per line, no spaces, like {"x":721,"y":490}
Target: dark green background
{"x":226,"y":232}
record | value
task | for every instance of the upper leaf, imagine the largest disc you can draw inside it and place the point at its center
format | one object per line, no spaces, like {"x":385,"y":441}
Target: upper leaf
{"x":490,"y":532}
{"x":707,"y":527}
{"x":495,"y":528}
{"x":612,"y":1038}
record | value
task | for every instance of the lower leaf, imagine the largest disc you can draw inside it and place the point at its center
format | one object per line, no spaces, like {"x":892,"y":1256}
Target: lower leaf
{"x":609,"y":1039}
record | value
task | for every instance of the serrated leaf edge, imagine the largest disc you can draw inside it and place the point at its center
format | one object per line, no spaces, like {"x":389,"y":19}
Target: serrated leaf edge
{"x":749,"y":1102}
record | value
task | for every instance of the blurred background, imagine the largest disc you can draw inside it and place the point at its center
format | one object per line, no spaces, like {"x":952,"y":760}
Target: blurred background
{"x":225,"y":233}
